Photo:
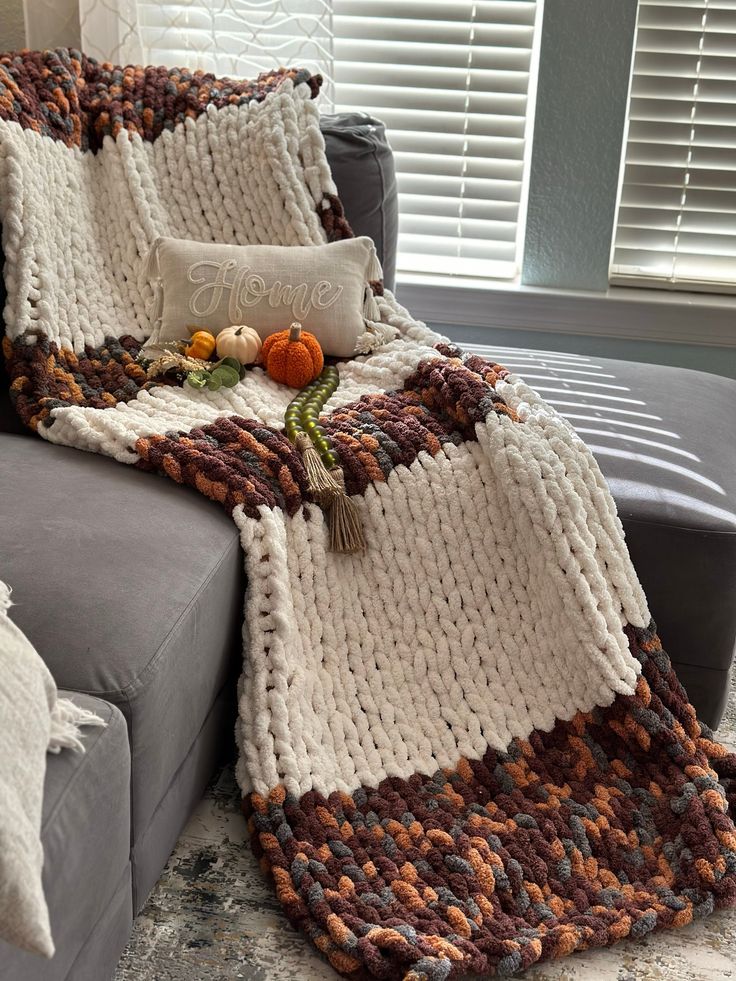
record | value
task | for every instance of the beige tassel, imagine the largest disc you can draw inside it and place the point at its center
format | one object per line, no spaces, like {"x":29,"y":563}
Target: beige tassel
{"x":346,"y":530}
{"x":153,"y":272}
{"x":321,"y":482}
{"x":375,"y":273}
{"x":371,"y":311}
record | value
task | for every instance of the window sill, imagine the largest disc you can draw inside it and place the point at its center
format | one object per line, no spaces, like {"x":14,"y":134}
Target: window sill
{"x":620,"y":312}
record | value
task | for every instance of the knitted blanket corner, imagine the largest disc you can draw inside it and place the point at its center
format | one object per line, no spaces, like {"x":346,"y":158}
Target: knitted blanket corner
{"x":463,"y":749}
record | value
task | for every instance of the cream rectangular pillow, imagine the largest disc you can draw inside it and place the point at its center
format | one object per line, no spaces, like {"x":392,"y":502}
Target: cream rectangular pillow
{"x":200,"y":285}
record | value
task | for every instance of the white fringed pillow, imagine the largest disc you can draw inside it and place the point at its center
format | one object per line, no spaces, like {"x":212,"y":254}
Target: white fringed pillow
{"x":325,"y":287}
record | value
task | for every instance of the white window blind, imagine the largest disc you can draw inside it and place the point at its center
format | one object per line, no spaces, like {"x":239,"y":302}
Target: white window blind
{"x":676,"y":222}
{"x":450,"y":78}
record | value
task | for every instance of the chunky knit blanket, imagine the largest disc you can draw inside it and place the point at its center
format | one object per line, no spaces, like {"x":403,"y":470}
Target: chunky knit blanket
{"x":463,"y":749}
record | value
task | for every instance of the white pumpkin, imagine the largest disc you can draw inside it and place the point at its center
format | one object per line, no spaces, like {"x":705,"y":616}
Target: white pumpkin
{"x":241,"y":342}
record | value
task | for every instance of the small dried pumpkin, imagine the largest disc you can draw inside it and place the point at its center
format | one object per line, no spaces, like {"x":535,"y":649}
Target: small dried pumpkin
{"x":201,"y":345}
{"x":292,"y":357}
{"x":240,"y":342}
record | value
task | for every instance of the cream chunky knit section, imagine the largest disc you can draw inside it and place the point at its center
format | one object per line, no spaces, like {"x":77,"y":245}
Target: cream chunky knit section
{"x":77,"y":227}
{"x":490,"y":603}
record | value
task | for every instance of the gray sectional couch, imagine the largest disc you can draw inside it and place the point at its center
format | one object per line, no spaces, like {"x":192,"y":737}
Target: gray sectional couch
{"x":131,"y":589}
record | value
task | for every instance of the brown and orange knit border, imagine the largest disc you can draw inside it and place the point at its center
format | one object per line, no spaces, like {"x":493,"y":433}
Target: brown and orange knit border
{"x":67,"y":96}
{"x":239,"y":461}
{"x":609,"y":826}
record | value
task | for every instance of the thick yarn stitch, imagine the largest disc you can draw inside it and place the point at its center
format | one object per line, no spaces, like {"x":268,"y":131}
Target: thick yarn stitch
{"x":466,"y":749}
{"x":70,"y":97}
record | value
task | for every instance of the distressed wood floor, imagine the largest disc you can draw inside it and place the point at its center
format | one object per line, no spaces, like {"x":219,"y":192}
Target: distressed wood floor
{"x":213,"y":916}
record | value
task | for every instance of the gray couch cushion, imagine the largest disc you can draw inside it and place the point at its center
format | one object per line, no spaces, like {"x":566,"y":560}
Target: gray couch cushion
{"x":362,"y":166}
{"x":215,"y":743}
{"x":130,"y":587}
{"x":665,"y":439}
{"x":86,"y":840}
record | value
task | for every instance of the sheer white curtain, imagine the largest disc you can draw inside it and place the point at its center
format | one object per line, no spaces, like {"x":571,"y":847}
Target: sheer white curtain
{"x":105,"y":29}
{"x":238,"y":37}
{"x":109,"y":30}
{"x":229,"y":37}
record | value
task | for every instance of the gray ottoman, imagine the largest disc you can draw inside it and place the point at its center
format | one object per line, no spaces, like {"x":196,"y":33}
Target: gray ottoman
{"x":665,"y":439}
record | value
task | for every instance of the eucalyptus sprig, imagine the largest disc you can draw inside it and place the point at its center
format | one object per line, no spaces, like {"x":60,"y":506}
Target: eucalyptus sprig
{"x":224,"y":374}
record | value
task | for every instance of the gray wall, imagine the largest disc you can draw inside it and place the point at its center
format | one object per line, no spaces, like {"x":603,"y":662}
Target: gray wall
{"x":582,"y":89}
{"x":51,"y":24}
{"x":12,"y":27}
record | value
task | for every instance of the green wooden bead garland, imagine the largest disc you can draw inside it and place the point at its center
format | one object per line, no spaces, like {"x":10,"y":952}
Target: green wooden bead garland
{"x":324,"y":475}
{"x":303,"y":412}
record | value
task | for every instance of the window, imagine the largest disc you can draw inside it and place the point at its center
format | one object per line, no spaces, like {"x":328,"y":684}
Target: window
{"x":676,"y":222}
{"x":450,"y":78}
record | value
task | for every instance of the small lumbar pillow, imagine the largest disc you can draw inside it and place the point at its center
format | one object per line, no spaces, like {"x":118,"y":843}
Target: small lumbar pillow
{"x":324,"y":287}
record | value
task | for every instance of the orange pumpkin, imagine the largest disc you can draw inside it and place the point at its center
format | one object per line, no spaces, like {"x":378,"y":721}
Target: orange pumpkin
{"x":201,"y":345}
{"x":292,"y":357}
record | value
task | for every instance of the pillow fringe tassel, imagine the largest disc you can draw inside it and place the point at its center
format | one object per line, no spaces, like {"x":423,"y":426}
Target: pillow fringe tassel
{"x":376,"y":332}
{"x":66,"y":719}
